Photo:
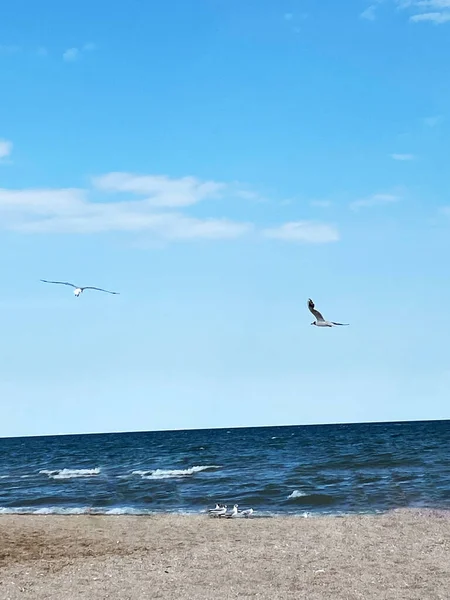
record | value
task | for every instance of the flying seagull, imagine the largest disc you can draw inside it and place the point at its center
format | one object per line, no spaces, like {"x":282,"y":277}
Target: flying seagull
{"x":79,"y":290}
{"x":320,"y":321}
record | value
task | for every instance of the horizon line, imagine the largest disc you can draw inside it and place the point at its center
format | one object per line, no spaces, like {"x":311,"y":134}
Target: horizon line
{"x":124,"y":432}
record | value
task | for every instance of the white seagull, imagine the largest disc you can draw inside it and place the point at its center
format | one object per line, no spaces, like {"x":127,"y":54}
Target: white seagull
{"x":218,"y":512}
{"x":246,"y":513}
{"x":233,"y":513}
{"x":79,"y":290}
{"x":320,"y":321}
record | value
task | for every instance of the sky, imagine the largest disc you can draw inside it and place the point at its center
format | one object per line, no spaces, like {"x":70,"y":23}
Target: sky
{"x":218,"y":162}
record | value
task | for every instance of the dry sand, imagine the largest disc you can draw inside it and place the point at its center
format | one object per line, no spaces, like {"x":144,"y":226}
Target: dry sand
{"x":403,"y":554}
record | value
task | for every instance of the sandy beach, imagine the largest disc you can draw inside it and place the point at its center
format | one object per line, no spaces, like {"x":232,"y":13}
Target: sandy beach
{"x":402,"y":554}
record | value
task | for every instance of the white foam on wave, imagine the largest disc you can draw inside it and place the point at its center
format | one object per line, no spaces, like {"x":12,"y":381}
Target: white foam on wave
{"x":48,"y":510}
{"x":126,"y":510}
{"x":70,"y":473}
{"x":297,"y":494}
{"x":174,"y":473}
{"x":4,"y":476}
{"x":80,"y":510}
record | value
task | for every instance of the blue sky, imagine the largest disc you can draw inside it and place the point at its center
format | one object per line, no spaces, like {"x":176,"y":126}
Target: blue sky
{"x":218,"y":162}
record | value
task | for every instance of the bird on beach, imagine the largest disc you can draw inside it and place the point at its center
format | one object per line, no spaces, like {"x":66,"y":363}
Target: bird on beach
{"x":218,"y":511}
{"x":246,"y":513}
{"x":232,"y":514}
{"x":79,"y":290}
{"x":320,"y":321}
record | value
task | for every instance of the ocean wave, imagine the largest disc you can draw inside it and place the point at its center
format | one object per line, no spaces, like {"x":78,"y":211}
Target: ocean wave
{"x":174,"y":473}
{"x":70,"y":473}
{"x":301,"y":498}
{"x":48,"y":510}
{"x":296,"y":494}
{"x":87,"y":510}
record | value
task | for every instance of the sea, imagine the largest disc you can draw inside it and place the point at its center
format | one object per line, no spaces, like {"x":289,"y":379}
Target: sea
{"x":299,"y":470}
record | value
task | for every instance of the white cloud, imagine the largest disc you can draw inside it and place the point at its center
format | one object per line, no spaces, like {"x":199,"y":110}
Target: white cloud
{"x":158,"y":212}
{"x":5,"y":148}
{"x":369,"y":13}
{"x":72,"y":211}
{"x":308,"y":232}
{"x":433,"y":3}
{"x":375,"y":200}
{"x":403,"y":156}
{"x":168,"y":226}
{"x":73,"y":54}
{"x":433,"y":121}
{"x":9,"y":49}
{"x":160,"y":191}
{"x":431,"y":11}
{"x":433,"y":17}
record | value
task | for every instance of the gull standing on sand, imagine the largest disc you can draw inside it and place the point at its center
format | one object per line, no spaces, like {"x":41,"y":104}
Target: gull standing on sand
{"x":320,"y":321}
{"x":233,"y":513}
{"x":218,"y":511}
{"x":79,"y":290}
{"x":246,"y":513}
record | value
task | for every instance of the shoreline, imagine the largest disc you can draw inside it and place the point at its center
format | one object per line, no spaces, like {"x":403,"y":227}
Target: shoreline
{"x":401,"y":554}
{"x":258,"y":514}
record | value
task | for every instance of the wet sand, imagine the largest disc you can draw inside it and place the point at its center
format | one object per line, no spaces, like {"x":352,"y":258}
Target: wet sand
{"x":403,"y":554}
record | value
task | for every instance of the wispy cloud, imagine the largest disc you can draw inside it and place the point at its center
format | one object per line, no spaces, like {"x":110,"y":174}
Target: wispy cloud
{"x":153,"y":204}
{"x":375,"y":200}
{"x":160,"y":191}
{"x":9,"y":49}
{"x":73,"y":54}
{"x":432,"y":4}
{"x":369,"y":13}
{"x":402,"y":157}
{"x":5,"y":149}
{"x":438,"y":18}
{"x":433,"y":121}
{"x":293,"y":21}
{"x":431,"y":11}
{"x":70,"y":211}
{"x":309,"y":232}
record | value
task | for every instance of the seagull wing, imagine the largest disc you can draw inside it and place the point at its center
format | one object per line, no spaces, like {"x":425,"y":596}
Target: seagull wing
{"x":343,"y":324}
{"x":59,"y":282}
{"x":98,"y":289}
{"x":315,"y":312}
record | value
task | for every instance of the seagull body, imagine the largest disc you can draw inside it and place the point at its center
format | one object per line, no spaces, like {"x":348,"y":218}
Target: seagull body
{"x":218,"y":511}
{"x":320,"y":321}
{"x":232,"y":514}
{"x":246,"y":513}
{"x":79,"y":290}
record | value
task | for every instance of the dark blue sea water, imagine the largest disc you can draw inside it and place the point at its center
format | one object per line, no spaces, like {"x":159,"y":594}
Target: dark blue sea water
{"x":331,"y":468}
